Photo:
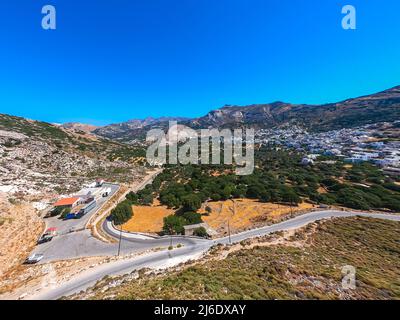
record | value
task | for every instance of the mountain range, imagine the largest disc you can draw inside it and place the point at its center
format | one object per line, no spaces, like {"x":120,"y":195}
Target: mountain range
{"x":379,"y":107}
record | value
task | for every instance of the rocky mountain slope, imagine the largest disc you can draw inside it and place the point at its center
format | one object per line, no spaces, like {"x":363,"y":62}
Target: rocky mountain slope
{"x":79,"y":127}
{"x":127,"y":130}
{"x":375,"y":108}
{"x":38,"y":158}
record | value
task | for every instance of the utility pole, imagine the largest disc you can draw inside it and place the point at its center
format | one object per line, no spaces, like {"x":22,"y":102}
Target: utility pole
{"x":120,"y":238}
{"x":229,"y":233}
{"x":170,"y":236}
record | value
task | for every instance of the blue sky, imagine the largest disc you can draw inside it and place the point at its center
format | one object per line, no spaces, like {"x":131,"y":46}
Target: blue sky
{"x":110,"y":61}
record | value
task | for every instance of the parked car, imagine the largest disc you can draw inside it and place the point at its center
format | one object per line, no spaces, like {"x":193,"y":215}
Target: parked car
{"x":34,"y":258}
{"x":70,"y":216}
{"x":107,"y":192}
{"x":48,"y":235}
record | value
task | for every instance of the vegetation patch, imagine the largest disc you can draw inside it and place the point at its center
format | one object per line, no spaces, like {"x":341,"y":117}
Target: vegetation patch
{"x":310,"y":271}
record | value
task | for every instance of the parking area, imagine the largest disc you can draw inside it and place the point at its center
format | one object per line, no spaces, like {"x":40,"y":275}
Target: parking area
{"x":66,"y":226}
{"x":71,"y":233}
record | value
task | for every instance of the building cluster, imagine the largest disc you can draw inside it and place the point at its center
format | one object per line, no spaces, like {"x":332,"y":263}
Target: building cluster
{"x":84,"y":201}
{"x":355,"y":145}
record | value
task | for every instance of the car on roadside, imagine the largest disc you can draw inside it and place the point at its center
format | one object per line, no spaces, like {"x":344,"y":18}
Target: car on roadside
{"x":34,"y":258}
{"x":48,"y":235}
{"x":106,"y":193}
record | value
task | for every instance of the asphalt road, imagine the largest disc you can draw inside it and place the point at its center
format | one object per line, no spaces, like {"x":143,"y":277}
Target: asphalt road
{"x":189,"y":251}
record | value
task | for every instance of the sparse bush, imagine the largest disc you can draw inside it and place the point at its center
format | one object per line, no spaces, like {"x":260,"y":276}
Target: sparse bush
{"x":200,"y":232}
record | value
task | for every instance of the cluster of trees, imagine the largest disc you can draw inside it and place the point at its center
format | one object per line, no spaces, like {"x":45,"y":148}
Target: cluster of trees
{"x":122,"y":212}
{"x":200,"y":186}
{"x":174,"y":224}
{"x":361,"y":186}
{"x":279,"y":177}
{"x":361,"y":197}
{"x":143,"y":197}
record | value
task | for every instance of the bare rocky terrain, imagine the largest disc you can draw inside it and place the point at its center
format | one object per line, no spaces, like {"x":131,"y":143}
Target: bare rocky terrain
{"x":39,"y":162}
{"x":20,"y":226}
{"x":37,"y":158}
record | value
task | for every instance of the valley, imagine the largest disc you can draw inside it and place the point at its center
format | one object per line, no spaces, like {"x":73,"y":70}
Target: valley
{"x":320,"y":180}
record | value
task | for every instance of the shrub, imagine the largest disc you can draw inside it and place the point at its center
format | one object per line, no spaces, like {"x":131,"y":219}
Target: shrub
{"x":122,"y":212}
{"x":192,"y":217}
{"x":65,"y":212}
{"x":200,"y":232}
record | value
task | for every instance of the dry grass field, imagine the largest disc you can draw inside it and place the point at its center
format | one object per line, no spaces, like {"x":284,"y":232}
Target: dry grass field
{"x":242,"y":214}
{"x":246,"y":213}
{"x":147,"y":219}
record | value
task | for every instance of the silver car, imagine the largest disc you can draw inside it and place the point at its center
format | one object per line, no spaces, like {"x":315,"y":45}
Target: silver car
{"x":34,"y":258}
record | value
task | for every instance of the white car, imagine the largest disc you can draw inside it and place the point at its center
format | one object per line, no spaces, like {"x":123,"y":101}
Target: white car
{"x":34,"y":258}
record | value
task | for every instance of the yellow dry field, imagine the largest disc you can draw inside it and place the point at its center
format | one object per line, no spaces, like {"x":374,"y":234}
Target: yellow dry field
{"x":242,"y":214}
{"x":147,"y":219}
{"x":246,"y":213}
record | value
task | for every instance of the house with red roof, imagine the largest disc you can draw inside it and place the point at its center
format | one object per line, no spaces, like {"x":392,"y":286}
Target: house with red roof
{"x":68,"y":202}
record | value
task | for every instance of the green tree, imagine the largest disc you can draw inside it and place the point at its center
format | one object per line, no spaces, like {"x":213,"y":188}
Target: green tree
{"x":191,"y":202}
{"x":200,"y":232}
{"x":64,"y":212}
{"x":290,"y":196}
{"x":132,"y":197}
{"x":192,"y":217}
{"x":174,"y":225}
{"x":122,"y":212}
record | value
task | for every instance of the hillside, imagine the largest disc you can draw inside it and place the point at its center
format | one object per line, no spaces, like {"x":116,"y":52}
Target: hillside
{"x":38,"y":157}
{"x":79,"y":127}
{"x":129,"y":130}
{"x":304,"y":265}
{"x":375,"y":108}
{"x":380,"y":107}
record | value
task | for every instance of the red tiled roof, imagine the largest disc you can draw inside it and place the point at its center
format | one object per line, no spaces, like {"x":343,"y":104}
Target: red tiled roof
{"x":66,"y":202}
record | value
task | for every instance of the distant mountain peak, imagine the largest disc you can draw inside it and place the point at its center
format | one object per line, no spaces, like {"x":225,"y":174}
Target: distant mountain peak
{"x":79,"y":126}
{"x":375,"y":108}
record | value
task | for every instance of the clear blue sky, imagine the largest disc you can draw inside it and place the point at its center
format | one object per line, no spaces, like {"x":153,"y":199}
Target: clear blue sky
{"x":110,"y":61}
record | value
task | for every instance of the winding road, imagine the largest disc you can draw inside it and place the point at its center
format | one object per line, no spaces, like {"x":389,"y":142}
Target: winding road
{"x":192,"y":249}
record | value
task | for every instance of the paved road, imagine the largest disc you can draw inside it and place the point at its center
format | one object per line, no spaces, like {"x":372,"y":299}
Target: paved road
{"x":301,"y":221}
{"x":169,"y":258}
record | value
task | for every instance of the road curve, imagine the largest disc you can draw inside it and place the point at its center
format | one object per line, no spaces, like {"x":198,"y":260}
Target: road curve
{"x":169,"y":258}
